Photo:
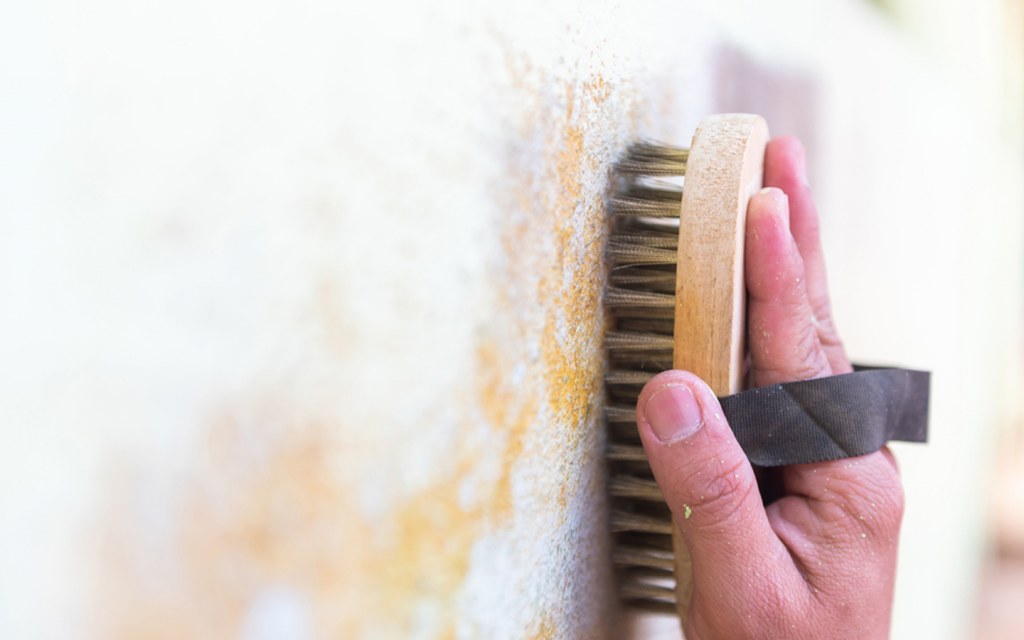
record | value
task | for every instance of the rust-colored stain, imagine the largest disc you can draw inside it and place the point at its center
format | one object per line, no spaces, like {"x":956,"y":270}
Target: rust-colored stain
{"x":267,"y":500}
{"x":263,"y":506}
{"x":571,"y":338}
{"x":504,"y":406}
{"x":546,"y":629}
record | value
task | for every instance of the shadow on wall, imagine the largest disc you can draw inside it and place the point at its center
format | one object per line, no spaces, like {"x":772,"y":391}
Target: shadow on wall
{"x":788,"y":98}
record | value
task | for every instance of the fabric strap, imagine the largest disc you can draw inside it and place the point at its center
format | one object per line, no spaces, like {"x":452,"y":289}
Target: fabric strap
{"x":830,"y":418}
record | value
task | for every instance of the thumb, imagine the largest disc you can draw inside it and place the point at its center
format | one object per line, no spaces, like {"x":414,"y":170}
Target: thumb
{"x":709,"y":485}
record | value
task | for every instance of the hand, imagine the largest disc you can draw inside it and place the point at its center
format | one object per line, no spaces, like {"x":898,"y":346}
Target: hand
{"x":819,"y":561}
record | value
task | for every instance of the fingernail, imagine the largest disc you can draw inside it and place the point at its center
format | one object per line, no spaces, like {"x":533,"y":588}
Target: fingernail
{"x":781,"y":202}
{"x":673,"y":413}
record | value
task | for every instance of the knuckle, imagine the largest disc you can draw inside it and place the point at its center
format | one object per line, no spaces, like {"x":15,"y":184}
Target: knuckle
{"x":858,"y":500}
{"x":719,"y":488}
{"x":809,"y":359}
{"x":876,"y":500}
{"x":823,"y":316}
{"x":804,"y":359}
{"x":791,"y":371}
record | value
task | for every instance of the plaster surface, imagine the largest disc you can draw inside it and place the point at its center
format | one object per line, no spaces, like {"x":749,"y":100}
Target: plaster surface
{"x":302,"y":301}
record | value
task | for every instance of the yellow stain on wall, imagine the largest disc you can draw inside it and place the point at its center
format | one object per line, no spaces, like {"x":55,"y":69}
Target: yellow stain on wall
{"x":266,"y":500}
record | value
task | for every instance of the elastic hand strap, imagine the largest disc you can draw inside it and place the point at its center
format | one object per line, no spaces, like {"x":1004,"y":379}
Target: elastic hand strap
{"x":830,"y":418}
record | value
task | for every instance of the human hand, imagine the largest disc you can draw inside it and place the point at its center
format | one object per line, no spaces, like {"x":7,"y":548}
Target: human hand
{"x":819,"y":561}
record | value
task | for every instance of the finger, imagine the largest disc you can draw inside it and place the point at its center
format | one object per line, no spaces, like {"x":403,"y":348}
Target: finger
{"x":853,"y":505}
{"x":709,"y":485}
{"x":783,"y":334}
{"x":887,"y":452}
{"x":786,"y":169}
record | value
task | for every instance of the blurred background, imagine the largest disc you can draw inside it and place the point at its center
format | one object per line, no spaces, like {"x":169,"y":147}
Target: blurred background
{"x":301,"y":301}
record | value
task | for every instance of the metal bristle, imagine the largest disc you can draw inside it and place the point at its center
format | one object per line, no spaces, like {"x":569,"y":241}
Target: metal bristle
{"x":651,"y":189}
{"x":631,"y":341}
{"x":650,"y":597}
{"x":652,"y":159}
{"x":634,"y":278}
{"x":623,"y":521}
{"x":642,"y":250}
{"x":640,"y":557}
{"x":642,"y":361}
{"x":624,"y":296}
{"x":627,"y":252}
{"x":650,"y":239}
{"x":620,"y":414}
{"x":649,"y":320}
{"x":631,"y":206}
{"x":635,"y":487}
{"x":629,"y":453}
{"x":619,"y":376}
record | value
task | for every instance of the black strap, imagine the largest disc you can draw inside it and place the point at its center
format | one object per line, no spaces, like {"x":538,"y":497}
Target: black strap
{"x":830,"y":418}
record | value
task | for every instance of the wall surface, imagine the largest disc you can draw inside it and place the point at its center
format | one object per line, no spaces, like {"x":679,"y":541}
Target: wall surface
{"x":302,"y":330}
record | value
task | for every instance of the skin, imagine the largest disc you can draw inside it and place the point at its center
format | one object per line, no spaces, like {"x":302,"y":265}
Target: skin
{"x":819,"y":560}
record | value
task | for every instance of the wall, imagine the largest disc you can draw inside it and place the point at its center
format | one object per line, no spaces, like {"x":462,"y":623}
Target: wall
{"x":302,"y":328}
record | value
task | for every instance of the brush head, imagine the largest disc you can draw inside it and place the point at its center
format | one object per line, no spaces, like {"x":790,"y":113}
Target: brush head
{"x":676,"y":298}
{"x":642,"y":252}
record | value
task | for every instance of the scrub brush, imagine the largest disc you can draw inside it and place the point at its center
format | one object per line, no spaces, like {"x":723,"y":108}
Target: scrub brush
{"x":676,"y":297}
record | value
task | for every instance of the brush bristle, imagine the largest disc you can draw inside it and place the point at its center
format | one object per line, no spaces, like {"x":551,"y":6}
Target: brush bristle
{"x":650,"y":158}
{"x":642,"y":251}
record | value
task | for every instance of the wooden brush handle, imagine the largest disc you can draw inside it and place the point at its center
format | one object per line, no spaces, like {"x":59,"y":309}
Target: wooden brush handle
{"x":725,"y":168}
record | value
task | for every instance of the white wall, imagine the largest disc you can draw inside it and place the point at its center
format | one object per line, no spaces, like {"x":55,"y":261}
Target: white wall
{"x":301,"y":325}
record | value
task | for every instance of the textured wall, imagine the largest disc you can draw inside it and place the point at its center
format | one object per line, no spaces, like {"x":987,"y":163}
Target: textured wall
{"x":302,"y":324}
{"x":308,"y":323}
